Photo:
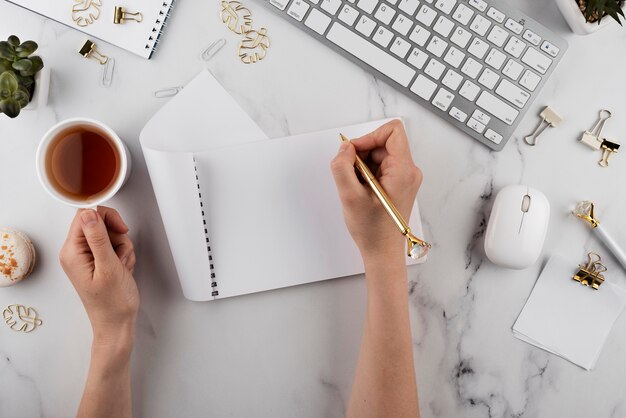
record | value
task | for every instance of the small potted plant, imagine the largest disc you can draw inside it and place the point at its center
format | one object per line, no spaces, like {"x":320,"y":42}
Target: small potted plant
{"x":587,"y":16}
{"x":23,"y":84}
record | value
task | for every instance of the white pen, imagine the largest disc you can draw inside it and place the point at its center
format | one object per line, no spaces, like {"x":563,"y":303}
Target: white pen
{"x":584,"y":210}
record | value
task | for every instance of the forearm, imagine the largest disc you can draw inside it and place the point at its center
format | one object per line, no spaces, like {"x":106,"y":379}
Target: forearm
{"x":107,"y":391}
{"x":384,"y":384}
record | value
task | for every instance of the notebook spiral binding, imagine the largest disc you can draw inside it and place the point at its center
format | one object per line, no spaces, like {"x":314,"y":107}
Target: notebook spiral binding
{"x":215,"y":291}
{"x":160,"y":24}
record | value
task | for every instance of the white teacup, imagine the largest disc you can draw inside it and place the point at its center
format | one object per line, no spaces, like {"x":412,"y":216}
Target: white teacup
{"x":122,"y":156}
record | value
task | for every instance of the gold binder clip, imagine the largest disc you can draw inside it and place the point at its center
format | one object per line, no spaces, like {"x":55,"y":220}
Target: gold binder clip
{"x":120,"y":15}
{"x":608,"y":148}
{"x":89,"y":51}
{"x":590,"y":274}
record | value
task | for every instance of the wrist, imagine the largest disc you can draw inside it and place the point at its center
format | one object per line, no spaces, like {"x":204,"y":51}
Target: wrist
{"x":116,"y":341}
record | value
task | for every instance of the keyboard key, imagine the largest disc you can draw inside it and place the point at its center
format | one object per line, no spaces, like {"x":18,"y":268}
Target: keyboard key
{"x":497,"y":107}
{"x":418,"y":58}
{"x":317,"y":21}
{"x":512,"y":93}
{"x":423,"y":87}
{"x":530,"y":80}
{"x":481,"y":117}
{"x":495,"y":58}
{"x":434,"y":69}
{"x":400,"y":47}
{"x":550,"y":49}
{"x":463,"y":14}
{"x":454,"y":57}
{"x":298,"y":9}
{"x":452,"y":80}
{"x":536,"y":60}
{"x":365,"y":25}
{"x":426,"y":15}
{"x":488,"y":78}
{"x":475,"y":125}
{"x":370,"y":54}
{"x":279,"y":4}
{"x":445,"y":6}
{"x":478,"y":48}
{"x":409,"y":6}
{"x":531,"y":37}
{"x":461,"y":37}
{"x":480,"y":25}
{"x":443,"y":26}
{"x":458,"y":114}
{"x":515,"y":46}
{"x":384,"y":13}
{"x":495,"y":14}
{"x":348,"y":15}
{"x":478,"y":4}
{"x":331,"y":6}
{"x":419,"y":35}
{"x":493,"y":136}
{"x":469,"y":90}
{"x":471,"y":68}
{"x":497,"y":36}
{"x":513,"y":69}
{"x":392,"y":2}
{"x":383,"y":36}
{"x":402,"y":25}
{"x":513,"y":26}
{"x":437,"y":46}
{"x":367,"y":6}
{"x":443,"y":99}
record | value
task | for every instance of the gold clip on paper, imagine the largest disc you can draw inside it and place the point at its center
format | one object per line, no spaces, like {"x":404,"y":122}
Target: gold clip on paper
{"x":590,"y":274}
{"x":85,"y":12}
{"x":608,"y":149}
{"x":120,"y":15}
{"x":21,"y":318}
{"x":253,"y":47}
{"x":89,"y":50}
{"x":237,"y":17}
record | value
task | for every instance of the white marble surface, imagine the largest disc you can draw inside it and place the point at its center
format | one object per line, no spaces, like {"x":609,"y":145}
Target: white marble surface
{"x":292,"y":352}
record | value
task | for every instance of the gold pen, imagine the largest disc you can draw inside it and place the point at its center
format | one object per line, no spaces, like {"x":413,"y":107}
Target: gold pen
{"x":417,"y":248}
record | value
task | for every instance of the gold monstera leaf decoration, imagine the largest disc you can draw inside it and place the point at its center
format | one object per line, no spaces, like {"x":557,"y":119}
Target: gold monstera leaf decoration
{"x":85,"y":12}
{"x":21,"y":318}
{"x":237,"y":17}
{"x":254,"y":46}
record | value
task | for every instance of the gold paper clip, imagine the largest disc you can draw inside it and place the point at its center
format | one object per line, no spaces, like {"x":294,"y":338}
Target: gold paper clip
{"x":89,"y":51}
{"x":608,"y":148}
{"x":120,"y":15}
{"x":590,"y":274}
{"x":21,"y":318}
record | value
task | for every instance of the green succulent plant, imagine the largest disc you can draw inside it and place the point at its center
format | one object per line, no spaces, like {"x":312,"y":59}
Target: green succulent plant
{"x":17,"y":74}
{"x":596,"y":10}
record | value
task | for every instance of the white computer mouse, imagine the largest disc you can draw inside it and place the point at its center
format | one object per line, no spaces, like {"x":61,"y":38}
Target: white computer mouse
{"x":517,"y":227}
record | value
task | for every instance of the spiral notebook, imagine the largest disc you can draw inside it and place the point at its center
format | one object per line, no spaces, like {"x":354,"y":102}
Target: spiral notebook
{"x":95,"y":18}
{"x":244,"y":213}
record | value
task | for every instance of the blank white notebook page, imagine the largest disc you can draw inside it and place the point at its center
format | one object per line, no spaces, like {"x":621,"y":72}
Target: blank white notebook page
{"x":273,"y":213}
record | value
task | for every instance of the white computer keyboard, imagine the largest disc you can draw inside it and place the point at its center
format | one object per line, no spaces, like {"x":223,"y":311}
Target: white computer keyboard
{"x":478,"y":65}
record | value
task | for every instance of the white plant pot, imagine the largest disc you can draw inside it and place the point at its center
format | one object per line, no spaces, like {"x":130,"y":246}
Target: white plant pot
{"x":42,"y":89}
{"x":576,"y":20}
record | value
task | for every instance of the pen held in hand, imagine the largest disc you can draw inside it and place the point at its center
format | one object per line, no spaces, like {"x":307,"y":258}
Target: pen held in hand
{"x":416,"y":248}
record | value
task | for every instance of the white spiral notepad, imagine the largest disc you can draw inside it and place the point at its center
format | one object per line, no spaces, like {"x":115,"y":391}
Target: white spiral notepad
{"x":95,"y":18}
{"x":242,"y":213}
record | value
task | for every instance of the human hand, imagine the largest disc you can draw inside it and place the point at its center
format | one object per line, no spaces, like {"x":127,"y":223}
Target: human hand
{"x":387,"y":154}
{"x":99,"y":259}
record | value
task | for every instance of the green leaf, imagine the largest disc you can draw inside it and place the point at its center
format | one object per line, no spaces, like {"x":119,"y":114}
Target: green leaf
{"x":5,"y":65}
{"x":23,"y":65}
{"x":35,"y":68}
{"x":26,"y":48}
{"x":14,"y":40}
{"x":8,"y":81}
{"x":10,"y":107}
{"x":22,"y":96}
{"x":4,"y":94}
{"x":26,"y":81}
{"x":7,"y":52}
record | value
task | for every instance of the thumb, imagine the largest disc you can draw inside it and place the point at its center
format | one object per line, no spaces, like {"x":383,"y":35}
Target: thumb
{"x":97,"y":236}
{"x":342,"y":167}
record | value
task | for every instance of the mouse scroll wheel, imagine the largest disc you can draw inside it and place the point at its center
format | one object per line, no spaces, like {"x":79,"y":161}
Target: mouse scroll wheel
{"x":525,"y":203}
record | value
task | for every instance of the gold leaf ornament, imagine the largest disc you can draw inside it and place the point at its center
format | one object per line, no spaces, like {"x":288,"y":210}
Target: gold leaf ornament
{"x":85,"y":12}
{"x":236,"y":16}
{"x":254,"y":46}
{"x":21,"y":318}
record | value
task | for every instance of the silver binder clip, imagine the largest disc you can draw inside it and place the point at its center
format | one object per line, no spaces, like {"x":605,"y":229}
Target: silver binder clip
{"x":212,"y":49}
{"x":591,"y":138}
{"x":548,"y":118}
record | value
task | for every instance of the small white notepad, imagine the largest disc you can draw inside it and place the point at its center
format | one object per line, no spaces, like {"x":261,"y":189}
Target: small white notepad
{"x":568,"y":319}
